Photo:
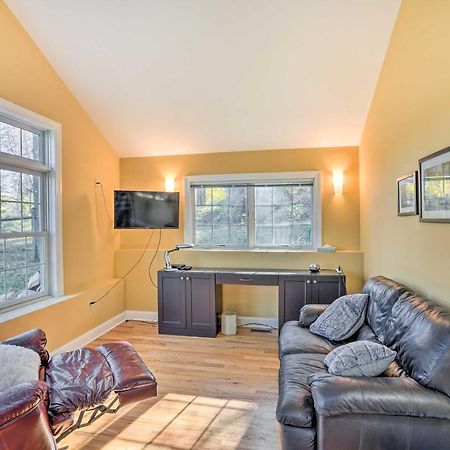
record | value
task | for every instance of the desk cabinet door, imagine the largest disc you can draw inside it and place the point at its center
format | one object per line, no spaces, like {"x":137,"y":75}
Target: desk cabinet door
{"x":293,"y":294}
{"x":327,"y":289}
{"x":171,"y":301}
{"x":200,"y":302}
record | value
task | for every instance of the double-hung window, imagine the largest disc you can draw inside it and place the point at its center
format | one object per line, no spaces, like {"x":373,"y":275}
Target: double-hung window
{"x":24,"y":218}
{"x":251,"y":211}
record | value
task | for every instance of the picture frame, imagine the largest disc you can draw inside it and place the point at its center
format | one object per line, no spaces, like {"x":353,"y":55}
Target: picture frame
{"x":434,"y":178}
{"x":407,"y":198}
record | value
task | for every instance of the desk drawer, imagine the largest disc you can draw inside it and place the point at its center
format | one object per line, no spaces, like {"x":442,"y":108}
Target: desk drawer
{"x":247,"y":278}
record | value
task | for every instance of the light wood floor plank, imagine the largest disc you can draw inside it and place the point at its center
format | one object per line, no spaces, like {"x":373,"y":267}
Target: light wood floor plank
{"x":213,"y":394}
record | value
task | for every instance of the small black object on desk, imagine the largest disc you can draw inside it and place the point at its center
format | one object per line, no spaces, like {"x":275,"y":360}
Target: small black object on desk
{"x":181,"y":267}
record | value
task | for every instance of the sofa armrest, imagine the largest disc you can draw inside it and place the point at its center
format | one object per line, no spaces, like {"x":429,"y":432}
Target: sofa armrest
{"x":23,"y":418}
{"x":310,"y":313}
{"x":33,"y":339}
{"x":335,"y":396}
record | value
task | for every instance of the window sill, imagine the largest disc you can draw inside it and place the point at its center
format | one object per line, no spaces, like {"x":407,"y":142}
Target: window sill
{"x":21,"y":309}
{"x":266,"y":250}
{"x":15,"y":311}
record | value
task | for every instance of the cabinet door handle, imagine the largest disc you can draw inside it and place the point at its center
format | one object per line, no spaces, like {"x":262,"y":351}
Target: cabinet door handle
{"x":245,"y":279}
{"x":187,"y":278}
{"x":308,"y":281}
{"x":182,"y":278}
{"x":315,"y":281}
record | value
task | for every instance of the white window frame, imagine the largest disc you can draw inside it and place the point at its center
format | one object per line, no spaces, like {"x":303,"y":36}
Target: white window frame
{"x":273,"y":177}
{"x":53,"y":190}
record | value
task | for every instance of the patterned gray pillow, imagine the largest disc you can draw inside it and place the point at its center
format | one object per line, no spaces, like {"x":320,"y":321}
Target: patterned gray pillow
{"x":343,"y":318}
{"x":359,"y":359}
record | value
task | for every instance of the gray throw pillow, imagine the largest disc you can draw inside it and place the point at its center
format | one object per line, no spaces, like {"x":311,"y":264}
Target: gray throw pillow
{"x":342,"y":319}
{"x":359,"y":359}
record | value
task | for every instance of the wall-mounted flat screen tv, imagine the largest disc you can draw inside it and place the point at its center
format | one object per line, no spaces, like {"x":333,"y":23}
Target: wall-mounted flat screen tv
{"x":143,"y":209}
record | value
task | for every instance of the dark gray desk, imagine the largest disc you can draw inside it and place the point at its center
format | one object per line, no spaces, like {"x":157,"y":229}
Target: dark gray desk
{"x":190,"y":302}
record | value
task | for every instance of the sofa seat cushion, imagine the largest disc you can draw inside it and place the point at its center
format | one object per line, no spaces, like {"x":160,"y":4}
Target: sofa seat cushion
{"x":378,"y":396}
{"x":295,"y":405}
{"x":295,"y":339}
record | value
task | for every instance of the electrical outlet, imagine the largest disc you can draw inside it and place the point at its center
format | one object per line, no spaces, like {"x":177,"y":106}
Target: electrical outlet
{"x":97,"y":181}
{"x":90,"y":305}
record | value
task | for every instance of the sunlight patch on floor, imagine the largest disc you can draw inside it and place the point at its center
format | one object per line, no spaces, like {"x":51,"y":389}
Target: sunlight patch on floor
{"x":182,"y":422}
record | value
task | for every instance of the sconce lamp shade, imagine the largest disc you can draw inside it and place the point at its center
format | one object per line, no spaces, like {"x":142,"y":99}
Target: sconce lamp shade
{"x":338,"y":181}
{"x":170,"y":185}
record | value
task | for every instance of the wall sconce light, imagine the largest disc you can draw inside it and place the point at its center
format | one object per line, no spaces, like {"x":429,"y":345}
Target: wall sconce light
{"x":170,"y":184}
{"x":338,"y":181}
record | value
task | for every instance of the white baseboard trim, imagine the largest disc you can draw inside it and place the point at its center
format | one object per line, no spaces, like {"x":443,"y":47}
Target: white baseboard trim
{"x":147,"y":316}
{"x":152,"y":316}
{"x":269,"y":321}
{"x":92,"y":334}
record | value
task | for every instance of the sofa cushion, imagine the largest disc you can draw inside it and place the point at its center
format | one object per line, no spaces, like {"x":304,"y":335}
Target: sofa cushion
{"x":310,"y":313}
{"x":419,"y":331}
{"x":359,"y":359}
{"x":379,"y":396}
{"x":295,"y":405}
{"x":342,"y":318}
{"x":295,"y":339}
{"x":383,"y":294}
{"x":365,"y":333}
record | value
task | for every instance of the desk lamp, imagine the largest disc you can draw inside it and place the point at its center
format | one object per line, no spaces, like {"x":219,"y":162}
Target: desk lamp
{"x":168,"y":265}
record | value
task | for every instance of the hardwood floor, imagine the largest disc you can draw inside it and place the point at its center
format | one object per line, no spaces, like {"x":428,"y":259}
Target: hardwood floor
{"x":213,"y":394}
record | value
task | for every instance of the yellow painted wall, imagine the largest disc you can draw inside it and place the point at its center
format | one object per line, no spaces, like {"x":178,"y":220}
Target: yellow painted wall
{"x":409,"y":119}
{"x":28,"y":80}
{"x":71,"y":318}
{"x":340,"y":222}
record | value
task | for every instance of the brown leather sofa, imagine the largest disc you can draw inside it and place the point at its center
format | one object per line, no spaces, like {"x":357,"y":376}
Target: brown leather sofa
{"x":32,"y":414}
{"x":406,"y":408}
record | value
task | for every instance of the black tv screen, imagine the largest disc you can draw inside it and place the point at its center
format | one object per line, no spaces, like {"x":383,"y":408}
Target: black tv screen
{"x":141,"y":209}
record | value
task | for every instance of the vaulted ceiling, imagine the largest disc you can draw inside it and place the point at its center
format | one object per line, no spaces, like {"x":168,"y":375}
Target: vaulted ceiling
{"x":163,"y":77}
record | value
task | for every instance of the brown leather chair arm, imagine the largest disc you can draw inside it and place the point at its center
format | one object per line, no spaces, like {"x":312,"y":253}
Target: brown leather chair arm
{"x":35,"y":340}
{"x":20,"y":399}
{"x":23,"y":417}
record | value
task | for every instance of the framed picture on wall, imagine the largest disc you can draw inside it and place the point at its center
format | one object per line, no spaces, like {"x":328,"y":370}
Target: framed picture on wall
{"x":407,"y":198}
{"x":435,"y":187}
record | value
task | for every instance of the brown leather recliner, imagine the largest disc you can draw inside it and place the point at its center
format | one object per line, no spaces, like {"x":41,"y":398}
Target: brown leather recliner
{"x":32,"y":414}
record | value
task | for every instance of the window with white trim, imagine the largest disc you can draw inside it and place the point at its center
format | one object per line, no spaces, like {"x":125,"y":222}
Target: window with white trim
{"x":24,"y":201}
{"x":250,"y":211}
